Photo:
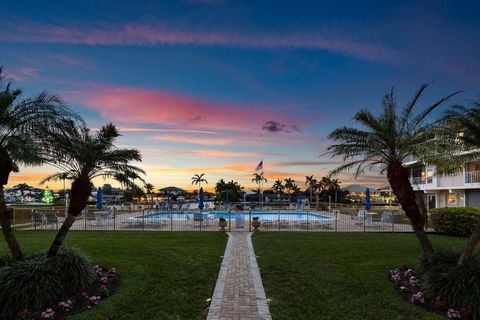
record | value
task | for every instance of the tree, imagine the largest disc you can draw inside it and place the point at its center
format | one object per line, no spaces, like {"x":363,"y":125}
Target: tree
{"x":233,"y":188}
{"x":149,"y":188}
{"x":310,"y":182}
{"x":258,"y":178}
{"x":289,"y":186}
{"x":387,"y":140}
{"x":23,"y":122}
{"x":278,"y":186}
{"x":84,"y":156}
{"x":459,"y":134}
{"x":198,"y":179}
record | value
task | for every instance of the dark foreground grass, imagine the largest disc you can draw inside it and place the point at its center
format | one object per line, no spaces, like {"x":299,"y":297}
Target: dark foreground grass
{"x":164,"y":275}
{"x":338,"y":276}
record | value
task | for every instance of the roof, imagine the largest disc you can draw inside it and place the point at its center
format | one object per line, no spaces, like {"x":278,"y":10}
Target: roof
{"x":171,"y":188}
{"x":358,"y":188}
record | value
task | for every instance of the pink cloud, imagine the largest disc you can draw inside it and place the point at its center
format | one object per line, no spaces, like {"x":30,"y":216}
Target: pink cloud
{"x":23,"y":74}
{"x":143,"y":34}
{"x":145,"y":106}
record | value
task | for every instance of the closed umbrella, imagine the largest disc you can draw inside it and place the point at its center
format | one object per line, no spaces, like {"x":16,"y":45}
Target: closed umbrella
{"x":99,"y":198}
{"x":368,"y":205}
{"x":300,"y":200}
{"x":201,"y":196}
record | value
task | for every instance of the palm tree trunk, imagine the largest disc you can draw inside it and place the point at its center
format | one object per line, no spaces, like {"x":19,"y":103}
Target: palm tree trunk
{"x":81,"y":189}
{"x":7,"y":230}
{"x":470,"y":246}
{"x":397,"y":176}
{"x":6,"y":166}
{"x":310,"y":194}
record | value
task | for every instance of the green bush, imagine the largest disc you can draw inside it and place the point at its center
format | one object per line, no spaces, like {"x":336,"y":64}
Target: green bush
{"x":455,"y":221}
{"x":38,"y":281}
{"x":458,"y":287}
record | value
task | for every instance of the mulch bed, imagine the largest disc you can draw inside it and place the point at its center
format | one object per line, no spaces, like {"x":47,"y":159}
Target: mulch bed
{"x":106,"y":284}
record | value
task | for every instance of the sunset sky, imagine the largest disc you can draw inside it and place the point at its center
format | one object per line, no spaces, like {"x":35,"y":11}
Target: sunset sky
{"x":215,"y":86}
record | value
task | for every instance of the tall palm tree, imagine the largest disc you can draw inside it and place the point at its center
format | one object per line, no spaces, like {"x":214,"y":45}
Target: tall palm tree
{"x":387,"y":140}
{"x":258,"y":178}
{"x":460,"y":138}
{"x":198,"y":179}
{"x":310,"y":182}
{"x":84,"y":156}
{"x":23,"y":122}
{"x":289,"y":185}
{"x":319,"y":188}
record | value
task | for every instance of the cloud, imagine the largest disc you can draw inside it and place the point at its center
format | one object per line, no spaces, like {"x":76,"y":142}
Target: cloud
{"x":154,"y":35}
{"x":274,"y":126}
{"x":136,"y":106}
{"x":23,"y":74}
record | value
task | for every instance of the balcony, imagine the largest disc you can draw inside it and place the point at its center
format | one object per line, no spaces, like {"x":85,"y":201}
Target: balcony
{"x":472,"y":177}
{"x":420,"y":180}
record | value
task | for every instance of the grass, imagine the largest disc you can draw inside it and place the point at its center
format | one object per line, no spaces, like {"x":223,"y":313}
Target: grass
{"x":164,"y":275}
{"x":338,"y":276}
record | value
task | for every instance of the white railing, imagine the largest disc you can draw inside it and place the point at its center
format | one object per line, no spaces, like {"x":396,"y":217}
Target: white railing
{"x":472,"y":177}
{"x":420,"y":180}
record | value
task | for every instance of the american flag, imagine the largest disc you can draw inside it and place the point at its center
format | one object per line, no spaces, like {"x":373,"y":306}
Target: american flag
{"x":260,"y":166}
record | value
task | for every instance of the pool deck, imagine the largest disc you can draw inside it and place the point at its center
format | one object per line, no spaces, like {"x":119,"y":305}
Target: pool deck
{"x":239,"y":292}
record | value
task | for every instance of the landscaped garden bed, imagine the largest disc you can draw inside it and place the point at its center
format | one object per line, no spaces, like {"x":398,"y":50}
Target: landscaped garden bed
{"x":105,"y":285}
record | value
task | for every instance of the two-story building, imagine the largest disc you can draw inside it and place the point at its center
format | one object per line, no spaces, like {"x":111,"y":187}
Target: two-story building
{"x":454,"y":190}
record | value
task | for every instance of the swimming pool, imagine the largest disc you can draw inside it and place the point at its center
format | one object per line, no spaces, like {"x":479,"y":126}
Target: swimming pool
{"x":263,"y":216}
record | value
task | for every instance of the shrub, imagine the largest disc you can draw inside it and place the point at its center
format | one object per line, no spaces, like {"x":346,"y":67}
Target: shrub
{"x":5,"y":259}
{"x":39,"y":281}
{"x":456,"y":287}
{"x":455,"y":221}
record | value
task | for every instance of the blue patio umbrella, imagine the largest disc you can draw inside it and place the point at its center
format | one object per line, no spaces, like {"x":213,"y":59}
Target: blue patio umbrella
{"x":368,"y":205}
{"x":300,"y":199}
{"x":99,"y":198}
{"x":201,"y":196}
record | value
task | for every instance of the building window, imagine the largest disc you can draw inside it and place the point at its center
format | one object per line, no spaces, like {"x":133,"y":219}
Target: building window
{"x":452,"y":198}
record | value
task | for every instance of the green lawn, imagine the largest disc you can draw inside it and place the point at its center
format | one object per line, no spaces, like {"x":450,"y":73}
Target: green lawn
{"x":164,"y":275}
{"x":338,"y":276}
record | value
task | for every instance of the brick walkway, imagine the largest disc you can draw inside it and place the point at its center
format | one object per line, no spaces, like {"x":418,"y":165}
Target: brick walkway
{"x":239,"y":292}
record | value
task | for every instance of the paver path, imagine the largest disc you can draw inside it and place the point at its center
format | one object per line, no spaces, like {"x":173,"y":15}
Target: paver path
{"x":239,"y":292}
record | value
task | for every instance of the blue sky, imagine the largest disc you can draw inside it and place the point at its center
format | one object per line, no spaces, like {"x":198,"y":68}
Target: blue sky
{"x":196,"y":84}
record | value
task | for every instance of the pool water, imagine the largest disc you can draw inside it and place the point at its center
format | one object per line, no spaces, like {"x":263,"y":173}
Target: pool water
{"x":263,"y":216}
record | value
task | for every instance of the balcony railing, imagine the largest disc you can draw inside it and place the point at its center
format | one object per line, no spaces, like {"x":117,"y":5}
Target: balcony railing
{"x":472,"y":177}
{"x":420,"y":180}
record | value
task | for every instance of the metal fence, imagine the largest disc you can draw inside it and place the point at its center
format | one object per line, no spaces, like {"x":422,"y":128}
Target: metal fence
{"x":117,"y":219}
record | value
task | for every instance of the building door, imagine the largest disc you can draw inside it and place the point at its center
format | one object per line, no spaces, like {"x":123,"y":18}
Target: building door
{"x":432,"y":199}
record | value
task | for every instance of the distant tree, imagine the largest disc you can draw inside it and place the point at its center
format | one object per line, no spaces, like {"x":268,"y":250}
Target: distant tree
{"x":233,"y":188}
{"x":278,"y":187}
{"x":198,"y":179}
{"x":149,"y":188}
{"x":258,"y":178}
{"x":289,"y":186}
{"x":310,"y":182}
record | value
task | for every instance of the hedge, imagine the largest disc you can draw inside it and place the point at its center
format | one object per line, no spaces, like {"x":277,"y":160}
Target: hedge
{"x":459,"y":221}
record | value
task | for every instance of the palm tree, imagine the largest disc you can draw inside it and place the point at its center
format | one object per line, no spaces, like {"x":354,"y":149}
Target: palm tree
{"x":23,"y":123}
{"x":289,"y":185}
{"x":319,"y":188}
{"x":198,"y":179}
{"x":84,"y":156}
{"x":310,"y":181}
{"x":387,"y":140}
{"x":278,"y":186}
{"x":22,"y":187}
{"x":258,"y":178}
{"x":148,"y":188}
{"x":460,"y":138}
